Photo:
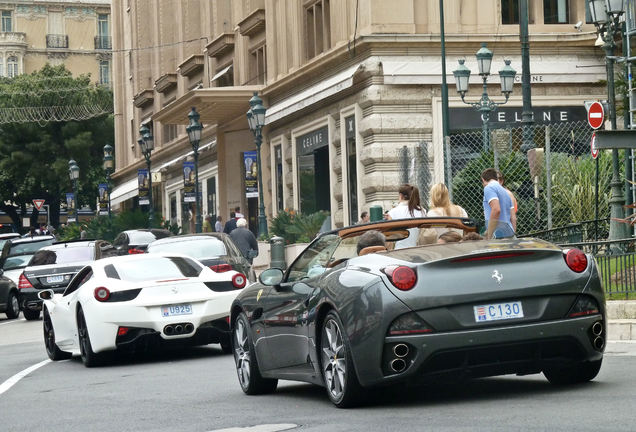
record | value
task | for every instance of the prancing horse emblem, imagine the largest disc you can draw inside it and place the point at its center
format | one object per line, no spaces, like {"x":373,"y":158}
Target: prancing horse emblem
{"x":497,"y":276}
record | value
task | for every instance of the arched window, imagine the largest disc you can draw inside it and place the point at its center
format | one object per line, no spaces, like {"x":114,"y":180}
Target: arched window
{"x":12,"y":66}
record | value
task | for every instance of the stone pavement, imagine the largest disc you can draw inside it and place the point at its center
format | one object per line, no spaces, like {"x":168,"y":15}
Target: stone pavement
{"x":621,"y":317}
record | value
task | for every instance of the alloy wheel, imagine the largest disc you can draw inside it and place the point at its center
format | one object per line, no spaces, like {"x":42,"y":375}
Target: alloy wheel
{"x":49,"y":334}
{"x":334,"y":361}
{"x":13,"y":307}
{"x":242,"y":353}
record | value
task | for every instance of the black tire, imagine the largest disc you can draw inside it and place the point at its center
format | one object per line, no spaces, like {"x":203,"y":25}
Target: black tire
{"x":226,"y":345}
{"x":574,"y":374}
{"x":13,"y":306}
{"x":338,"y":372}
{"x":52,"y":349}
{"x":249,"y":375}
{"x":89,"y":357}
{"x":31,"y":315}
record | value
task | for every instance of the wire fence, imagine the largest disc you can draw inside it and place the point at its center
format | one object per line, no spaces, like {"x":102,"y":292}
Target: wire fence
{"x":554,"y":183}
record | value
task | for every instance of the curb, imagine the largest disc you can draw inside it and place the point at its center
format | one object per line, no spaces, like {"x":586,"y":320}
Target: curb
{"x":621,"y":329}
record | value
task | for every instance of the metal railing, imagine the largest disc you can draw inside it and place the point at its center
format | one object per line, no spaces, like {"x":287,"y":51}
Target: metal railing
{"x":103,"y":43}
{"x":578,"y":232}
{"x":56,"y":41}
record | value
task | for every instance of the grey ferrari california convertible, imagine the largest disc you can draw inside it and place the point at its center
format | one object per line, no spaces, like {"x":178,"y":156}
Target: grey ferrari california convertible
{"x":349,"y":320}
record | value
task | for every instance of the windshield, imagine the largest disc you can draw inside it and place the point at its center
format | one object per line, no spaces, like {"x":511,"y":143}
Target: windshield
{"x":16,"y":262}
{"x":62,"y":256}
{"x":153,"y":269}
{"x":199,"y":248}
{"x":29,"y":247}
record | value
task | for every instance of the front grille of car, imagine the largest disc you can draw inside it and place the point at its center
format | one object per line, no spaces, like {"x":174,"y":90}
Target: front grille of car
{"x":520,"y":358}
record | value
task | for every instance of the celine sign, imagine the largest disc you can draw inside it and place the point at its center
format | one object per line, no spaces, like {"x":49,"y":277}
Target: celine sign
{"x":468,"y":118}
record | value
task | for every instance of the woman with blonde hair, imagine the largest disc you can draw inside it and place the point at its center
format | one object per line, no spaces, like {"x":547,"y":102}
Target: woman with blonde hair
{"x":441,"y":204}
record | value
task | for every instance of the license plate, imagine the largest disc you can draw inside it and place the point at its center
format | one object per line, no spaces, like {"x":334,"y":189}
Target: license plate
{"x":173,"y":310}
{"x":54,"y":279}
{"x":498,"y":311}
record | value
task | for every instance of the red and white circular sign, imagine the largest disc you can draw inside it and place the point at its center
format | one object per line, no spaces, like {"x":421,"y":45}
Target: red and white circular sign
{"x":593,"y":148}
{"x":595,"y":115}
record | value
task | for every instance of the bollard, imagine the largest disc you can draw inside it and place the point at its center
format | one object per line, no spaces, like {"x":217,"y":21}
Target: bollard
{"x":277,"y":253}
{"x":375,"y":213}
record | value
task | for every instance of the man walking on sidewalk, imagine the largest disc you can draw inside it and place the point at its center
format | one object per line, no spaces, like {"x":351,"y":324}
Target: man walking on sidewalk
{"x":497,"y":205}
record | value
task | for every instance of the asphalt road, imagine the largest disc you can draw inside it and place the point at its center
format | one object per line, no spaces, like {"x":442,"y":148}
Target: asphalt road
{"x":197,"y":390}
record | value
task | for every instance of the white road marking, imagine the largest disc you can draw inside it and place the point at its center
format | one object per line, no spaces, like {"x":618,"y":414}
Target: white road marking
{"x":13,"y":321}
{"x":260,"y":428}
{"x":17,"y":377}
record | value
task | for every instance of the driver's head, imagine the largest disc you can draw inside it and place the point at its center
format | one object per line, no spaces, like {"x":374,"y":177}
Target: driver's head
{"x":371,"y":238}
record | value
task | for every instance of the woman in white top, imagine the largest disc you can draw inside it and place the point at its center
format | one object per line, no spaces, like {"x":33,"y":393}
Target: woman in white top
{"x":409,"y":207}
{"x":441,"y":206}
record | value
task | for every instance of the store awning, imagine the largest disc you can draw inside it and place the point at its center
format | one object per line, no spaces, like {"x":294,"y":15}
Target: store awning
{"x":222,"y":72}
{"x":216,"y":105}
{"x":311,"y":95}
{"x":124,"y":191}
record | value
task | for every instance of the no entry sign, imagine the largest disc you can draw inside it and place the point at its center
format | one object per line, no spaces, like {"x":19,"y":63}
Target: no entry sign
{"x":593,"y":148}
{"x":595,"y":115}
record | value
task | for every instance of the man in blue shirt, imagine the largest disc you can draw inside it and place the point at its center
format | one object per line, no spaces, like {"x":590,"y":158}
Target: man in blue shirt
{"x":497,"y":205}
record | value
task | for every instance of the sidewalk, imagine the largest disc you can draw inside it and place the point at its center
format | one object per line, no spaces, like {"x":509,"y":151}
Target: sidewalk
{"x":621,"y":317}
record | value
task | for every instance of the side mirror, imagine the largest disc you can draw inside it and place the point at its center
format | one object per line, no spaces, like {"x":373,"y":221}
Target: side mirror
{"x":252,"y":253}
{"x":271,"y":277}
{"x":45,"y":294}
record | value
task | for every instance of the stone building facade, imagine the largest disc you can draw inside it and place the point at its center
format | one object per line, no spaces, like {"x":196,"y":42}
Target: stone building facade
{"x":74,"y":33}
{"x":347,"y":83}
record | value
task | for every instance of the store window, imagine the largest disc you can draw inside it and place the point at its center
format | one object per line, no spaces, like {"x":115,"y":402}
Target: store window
{"x":313,"y":171}
{"x":352,"y":171}
{"x":317,"y":28}
{"x":212,"y":198}
{"x":556,"y":11}
{"x":278,"y":162}
{"x":510,"y":11}
{"x":7,"y":21}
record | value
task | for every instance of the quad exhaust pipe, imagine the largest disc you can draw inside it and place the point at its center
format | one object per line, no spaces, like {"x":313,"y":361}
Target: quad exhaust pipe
{"x":597,"y":328}
{"x":401,"y":350}
{"x":178,"y":329}
{"x":599,"y":342}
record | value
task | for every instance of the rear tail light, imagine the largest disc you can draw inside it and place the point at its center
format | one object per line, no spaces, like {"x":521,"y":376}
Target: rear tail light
{"x":23,"y":282}
{"x":221,"y":268}
{"x":134,"y":251}
{"x":239,"y":280}
{"x":402,"y":277}
{"x":122,"y":331}
{"x":576,"y":260}
{"x":584,"y":305}
{"x":409,"y":324}
{"x":101,"y":294}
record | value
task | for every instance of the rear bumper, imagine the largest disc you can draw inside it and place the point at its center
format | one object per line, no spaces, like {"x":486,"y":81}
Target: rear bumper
{"x":519,"y":349}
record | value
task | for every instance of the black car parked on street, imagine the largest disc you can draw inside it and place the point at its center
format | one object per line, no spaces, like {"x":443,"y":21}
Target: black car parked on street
{"x":8,"y":297}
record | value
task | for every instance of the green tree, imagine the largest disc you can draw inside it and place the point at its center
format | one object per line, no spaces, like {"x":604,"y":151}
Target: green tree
{"x":34,"y":156}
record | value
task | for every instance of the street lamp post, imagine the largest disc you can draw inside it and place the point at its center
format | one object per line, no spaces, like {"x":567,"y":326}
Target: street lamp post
{"x":485,"y":105}
{"x":73,"y":174}
{"x":147,"y":144}
{"x":605,"y":15}
{"x":109,"y":166}
{"x":256,"y":121}
{"x":194,"y":135}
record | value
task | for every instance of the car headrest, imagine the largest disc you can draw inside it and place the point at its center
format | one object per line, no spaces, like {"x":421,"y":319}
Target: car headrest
{"x":371,"y":249}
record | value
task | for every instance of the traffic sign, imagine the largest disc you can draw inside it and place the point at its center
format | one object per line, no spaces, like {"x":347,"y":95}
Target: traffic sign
{"x":593,"y":148}
{"x":595,"y":115}
{"x":38,"y":203}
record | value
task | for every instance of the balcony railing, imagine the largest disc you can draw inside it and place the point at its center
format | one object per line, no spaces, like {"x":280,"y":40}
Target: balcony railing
{"x":56,"y":41}
{"x":103,"y":43}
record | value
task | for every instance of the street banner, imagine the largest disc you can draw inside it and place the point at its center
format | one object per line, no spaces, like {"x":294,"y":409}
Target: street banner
{"x":251,"y":174}
{"x":103,"y":199}
{"x":188,"y":182}
{"x":71,"y":215}
{"x":144,"y":187}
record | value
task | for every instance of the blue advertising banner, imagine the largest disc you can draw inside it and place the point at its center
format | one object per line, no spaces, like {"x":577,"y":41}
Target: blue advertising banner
{"x":144,"y":187}
{"x":251,"y":174}
{"x":188,"y":182}
{"x":103,"y":198}
{"x":71,"y":215}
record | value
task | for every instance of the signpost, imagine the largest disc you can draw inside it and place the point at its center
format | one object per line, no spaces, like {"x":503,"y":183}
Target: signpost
{"x":595,"y":115}
{"x":594,"y":152}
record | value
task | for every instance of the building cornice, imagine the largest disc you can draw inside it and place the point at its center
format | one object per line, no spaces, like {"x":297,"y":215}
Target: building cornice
{"x":191,"y":65}
{"x":143,"y":98}
{"x":253,"y":23}
{"x":221,"y":45}
{"x":166,"y":82}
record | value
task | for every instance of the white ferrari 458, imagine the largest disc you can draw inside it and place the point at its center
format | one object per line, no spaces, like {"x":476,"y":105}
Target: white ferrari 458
{"x":137,"y":301}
